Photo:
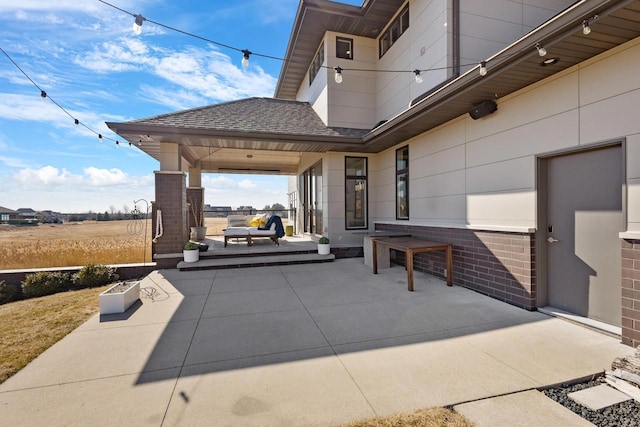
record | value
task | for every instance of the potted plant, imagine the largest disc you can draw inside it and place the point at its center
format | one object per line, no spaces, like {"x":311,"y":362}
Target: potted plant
{"x":323,"y":246}
{"x":198,"y":232}
{"x":191,"y":252}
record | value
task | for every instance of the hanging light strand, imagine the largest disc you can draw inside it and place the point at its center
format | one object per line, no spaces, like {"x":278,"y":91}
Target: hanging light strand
{"x":246,"y":52}
{"x":44,"y":95}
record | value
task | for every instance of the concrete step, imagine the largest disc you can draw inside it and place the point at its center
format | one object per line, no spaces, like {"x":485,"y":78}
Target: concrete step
{"x":254,"y":261}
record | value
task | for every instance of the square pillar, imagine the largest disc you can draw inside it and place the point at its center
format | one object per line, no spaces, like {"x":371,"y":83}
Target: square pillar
{"x":171,"y":200}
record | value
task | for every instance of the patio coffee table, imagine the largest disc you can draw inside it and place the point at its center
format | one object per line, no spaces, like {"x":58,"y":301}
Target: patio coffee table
{"x":410,"y":246}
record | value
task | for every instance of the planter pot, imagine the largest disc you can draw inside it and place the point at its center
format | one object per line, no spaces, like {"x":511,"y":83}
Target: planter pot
{"x":119,"y":297}
{"x":324,"y":248}
{"x":191,"y":255}
{"x":199,"y":233}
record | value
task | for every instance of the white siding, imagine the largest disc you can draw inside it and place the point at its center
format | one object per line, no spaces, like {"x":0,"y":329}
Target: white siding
{"x":481,"y":173}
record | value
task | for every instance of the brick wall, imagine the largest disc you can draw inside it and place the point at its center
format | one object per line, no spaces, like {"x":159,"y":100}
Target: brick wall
{"x":631,"y":292}
{"x":171,"y":200}
{"x":498,"y":264}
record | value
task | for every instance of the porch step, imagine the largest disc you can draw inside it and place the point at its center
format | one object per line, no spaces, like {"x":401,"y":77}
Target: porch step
{"x":253,"y":261}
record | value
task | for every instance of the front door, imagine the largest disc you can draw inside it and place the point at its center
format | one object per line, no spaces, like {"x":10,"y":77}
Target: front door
{"x":583,"y":219}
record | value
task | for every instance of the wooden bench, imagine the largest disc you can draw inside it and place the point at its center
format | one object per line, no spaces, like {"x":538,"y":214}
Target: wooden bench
{"x":410,"y":246}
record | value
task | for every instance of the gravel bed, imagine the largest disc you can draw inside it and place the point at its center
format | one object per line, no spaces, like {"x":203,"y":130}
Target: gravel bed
{"x":625,"y":414}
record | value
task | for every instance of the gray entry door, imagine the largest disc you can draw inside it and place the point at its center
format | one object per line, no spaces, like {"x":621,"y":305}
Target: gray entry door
{"x":584,"y":217}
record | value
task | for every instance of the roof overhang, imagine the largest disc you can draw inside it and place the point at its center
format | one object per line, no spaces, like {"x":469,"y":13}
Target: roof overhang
{"x":313,"y":19}
{"x":510,"y":70}
{"x":517,"y":66}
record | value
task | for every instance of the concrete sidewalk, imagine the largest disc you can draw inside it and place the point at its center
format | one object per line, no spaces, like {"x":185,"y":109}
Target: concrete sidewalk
{"x":303,"y":345}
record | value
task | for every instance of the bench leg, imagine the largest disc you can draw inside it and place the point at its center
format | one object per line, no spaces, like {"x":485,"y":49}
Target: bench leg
{"x":225,"y":241}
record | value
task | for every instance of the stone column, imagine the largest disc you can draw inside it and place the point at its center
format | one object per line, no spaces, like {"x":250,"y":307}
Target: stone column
{"x":171,"y":200}
{"x":171,"y":195}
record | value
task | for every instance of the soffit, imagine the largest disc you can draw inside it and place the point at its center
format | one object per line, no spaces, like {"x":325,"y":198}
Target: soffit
{"x":517,"y":67}
{"x":514,"y":68}
{"x":313,"y":20}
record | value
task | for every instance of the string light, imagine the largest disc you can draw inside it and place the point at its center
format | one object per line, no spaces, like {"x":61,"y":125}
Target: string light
{"x":483,"y":68}
{"x":245,"y":57}
{"x":338,"y":75}
{"x":418,"y":76}
{"x":586,"y":29}
{"x":137,"y":24}
{"x":246,"y":52}
{"x":44,"y":96}
{"x":541,"y":50}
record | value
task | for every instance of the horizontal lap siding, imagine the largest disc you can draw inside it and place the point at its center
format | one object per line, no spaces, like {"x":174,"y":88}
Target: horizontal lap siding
{"x":498,"y":264}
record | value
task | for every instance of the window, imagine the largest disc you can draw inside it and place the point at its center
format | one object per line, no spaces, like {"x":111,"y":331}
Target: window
{"x":344,"y":48}
{"x":355,"y":195}
{"x":402,"y":183}
{"x":393,"y":32}
{"x":316,"y":64}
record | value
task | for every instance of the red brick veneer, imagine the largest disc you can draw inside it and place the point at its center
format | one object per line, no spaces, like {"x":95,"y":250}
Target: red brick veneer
{"x":631,"y":292}
{"x":498,"y":264}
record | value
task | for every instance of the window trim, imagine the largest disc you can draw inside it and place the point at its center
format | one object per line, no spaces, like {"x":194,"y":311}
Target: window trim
{"x":316,"y":63}
{"x":402,"y":172}
{"x":340,"y":39}
{"x":364,"y":178}
{"x":388,"y":34}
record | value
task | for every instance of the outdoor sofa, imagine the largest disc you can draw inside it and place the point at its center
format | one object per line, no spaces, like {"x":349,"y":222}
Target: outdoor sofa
{"x":250,"y":227}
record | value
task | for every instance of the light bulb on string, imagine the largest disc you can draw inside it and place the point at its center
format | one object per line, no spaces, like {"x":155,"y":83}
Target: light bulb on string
{"x":418,"y":76}
{"x":245,"y":57}
{"x":76,"y":122}
{"x":338,"y":75}
{"x":586,"y":29}
{"x":100,"y":137}
{"x":483,"y":68}
{"x":137,"y":24}
{"x":43,"y":95}
{"x":541,"y":50}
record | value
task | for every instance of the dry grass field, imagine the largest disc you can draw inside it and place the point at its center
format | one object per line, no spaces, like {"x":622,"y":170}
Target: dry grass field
{"x":77,"y":244}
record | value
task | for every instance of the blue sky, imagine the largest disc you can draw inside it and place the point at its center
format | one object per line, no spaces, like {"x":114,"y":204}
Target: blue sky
{"x":85,"y":55}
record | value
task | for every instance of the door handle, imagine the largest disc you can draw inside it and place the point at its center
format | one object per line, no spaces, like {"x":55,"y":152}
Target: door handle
{"x":552,"y":240}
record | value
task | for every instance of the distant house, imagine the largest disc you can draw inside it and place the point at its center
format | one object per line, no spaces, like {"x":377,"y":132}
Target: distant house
{"x":217,"y":211}
{"x":49,"y":217}
{"x":7,"y":215}
{"x":28,"y":216}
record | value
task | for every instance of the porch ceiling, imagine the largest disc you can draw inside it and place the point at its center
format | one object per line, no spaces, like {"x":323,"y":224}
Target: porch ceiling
{"x":277,"y":143}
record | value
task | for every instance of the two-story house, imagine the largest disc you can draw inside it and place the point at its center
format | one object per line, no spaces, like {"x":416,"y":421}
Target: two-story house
{"x":508,"y":128}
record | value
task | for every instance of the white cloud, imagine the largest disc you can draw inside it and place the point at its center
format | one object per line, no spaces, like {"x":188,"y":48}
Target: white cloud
{"x":98,"y":177}
{"x":201,"y":75}
{"x":48,"y":176}
{"x":247,"y":184}
{"x":14,"y":162}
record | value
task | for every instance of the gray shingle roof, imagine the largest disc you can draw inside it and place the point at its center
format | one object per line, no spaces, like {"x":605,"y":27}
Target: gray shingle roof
{"x":268,"y":115}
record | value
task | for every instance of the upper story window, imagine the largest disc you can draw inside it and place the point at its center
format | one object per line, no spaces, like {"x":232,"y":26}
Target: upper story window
{"x":316,"y":64}
{"x":393,"y":32}
{"x":344,"y":48}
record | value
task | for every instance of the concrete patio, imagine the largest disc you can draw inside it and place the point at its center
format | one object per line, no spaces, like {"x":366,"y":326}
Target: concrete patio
{"x":300,"y":345}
